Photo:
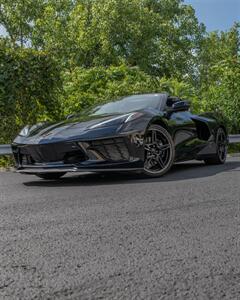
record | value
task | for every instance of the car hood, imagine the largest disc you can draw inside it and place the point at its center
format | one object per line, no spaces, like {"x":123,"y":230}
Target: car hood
{"x":68,"y":129}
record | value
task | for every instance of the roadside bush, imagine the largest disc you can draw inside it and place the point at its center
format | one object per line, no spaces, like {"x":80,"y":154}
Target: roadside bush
{"x":87,"y":87}
{"x":29,"y":87}
{"x":223,"y":94}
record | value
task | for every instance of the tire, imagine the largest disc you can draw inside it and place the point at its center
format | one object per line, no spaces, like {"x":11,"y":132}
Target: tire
{"x":159,"y":151}
{"x":51,"y":176}
{"x":221,"y":154}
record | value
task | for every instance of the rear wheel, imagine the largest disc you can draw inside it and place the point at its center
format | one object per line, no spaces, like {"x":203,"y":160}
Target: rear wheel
{"x":50,"y":176}
{"x":159,"y":151}
{"x":222,"y":145}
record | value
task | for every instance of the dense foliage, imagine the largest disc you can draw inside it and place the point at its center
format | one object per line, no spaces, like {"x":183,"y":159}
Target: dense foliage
{"x":220,"y":75}
{"x":62,"y":56}
{"x":86,"y":87}
{"x":29,"y":89}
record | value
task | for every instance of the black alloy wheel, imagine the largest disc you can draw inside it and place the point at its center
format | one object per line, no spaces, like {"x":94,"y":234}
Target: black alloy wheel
{"x":159,"y":151}
{"x":222,"y":148}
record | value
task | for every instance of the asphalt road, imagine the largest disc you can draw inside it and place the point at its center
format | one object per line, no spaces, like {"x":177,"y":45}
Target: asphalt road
{"x":122,"y":237}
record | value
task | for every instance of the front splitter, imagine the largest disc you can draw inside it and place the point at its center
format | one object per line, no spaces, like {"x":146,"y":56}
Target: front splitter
{"x":33,"y":171}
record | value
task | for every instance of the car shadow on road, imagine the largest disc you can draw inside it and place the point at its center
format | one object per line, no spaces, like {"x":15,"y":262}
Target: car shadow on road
{"x":181,"y":171}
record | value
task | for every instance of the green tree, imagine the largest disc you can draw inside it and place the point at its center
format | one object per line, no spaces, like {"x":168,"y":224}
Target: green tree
{"x":220,"y":75}
{"x":158,"y":36}
{"x":18,"y":18}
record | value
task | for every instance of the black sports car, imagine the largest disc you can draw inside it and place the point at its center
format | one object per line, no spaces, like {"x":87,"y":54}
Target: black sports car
{"x":145,"y":133}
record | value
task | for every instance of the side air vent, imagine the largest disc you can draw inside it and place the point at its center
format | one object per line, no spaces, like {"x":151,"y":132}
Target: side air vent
{"x":202,"y":130}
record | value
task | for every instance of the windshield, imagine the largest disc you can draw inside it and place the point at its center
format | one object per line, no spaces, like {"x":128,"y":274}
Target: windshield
{"x":128,"y":104}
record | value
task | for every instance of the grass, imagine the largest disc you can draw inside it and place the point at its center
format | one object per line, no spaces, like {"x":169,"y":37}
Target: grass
{"x":234,"y":148}
{"x":6,"y":162}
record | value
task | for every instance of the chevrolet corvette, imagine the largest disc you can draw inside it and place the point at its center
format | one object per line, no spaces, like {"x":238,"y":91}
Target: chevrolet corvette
{"x":145,"y":133}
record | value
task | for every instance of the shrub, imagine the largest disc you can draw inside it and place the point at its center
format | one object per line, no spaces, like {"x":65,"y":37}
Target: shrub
{"x":87,"y":87}
{"x":29,"y":86}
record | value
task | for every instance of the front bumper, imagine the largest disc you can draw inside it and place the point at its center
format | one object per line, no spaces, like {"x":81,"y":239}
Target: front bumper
{"x":42,"y":169}
{"x":121,"y":153}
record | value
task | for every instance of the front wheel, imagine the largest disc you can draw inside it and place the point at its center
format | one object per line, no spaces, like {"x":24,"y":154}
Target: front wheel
{"x":222,"y":147}
{"x":159,"y":151}
{"x":50,"y":176}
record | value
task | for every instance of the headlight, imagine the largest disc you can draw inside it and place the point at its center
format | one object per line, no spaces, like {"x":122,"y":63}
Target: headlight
{"x":25,"y":131}
{"x":28,"y":129}
{"x":118,"y":120}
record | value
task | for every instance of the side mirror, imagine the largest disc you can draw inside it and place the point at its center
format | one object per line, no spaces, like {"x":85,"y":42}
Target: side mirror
{"x":180,"y":106}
